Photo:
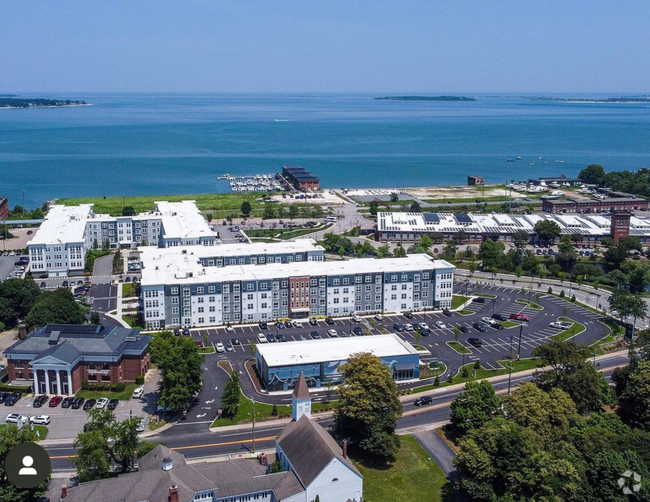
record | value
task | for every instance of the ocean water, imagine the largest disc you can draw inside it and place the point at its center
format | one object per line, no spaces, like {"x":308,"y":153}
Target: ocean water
{"x":130,"y":144}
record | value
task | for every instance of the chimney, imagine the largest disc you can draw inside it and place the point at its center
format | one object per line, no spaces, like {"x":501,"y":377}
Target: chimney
{"x":64,"y":491}
{"x":345,"y":448}
{"x":173,"y":493}
{"x":22,"y":332}
{"x":263,"y":458}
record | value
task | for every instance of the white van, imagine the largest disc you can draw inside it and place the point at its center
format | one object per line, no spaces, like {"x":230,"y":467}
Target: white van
{"x":331,"y":219}
{"x":137,"y":393}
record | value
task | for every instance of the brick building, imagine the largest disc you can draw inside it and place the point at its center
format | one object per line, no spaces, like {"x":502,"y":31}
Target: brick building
{"x":583,"y":206}
{"x":58,"y":358}
{"x":4,"y":208}
{"x":620,"y":226}
{"x":300,"y":178}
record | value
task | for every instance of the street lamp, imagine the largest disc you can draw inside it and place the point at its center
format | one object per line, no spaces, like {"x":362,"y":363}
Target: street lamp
{"x":253,"y":414}
{"x":521,"y":327}
{"x":493,"y":302}
{"x":510,"y":364}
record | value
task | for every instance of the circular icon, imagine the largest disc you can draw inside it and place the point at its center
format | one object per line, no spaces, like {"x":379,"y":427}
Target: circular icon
{"x":27,"y":465}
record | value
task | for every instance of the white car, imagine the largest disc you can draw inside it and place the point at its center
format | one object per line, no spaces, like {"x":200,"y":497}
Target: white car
{"x":40,"y":420}
{"x":140,"y":427}
{"x":560,"y":325}
{"x":356,"y":318}
{"x":13,"y":418}
{"x":220,"y":347}
{"x":332,"y":333}
{"x":440,"y":324}
{"x":423,"y":325}
{"x":137,"y":393}
{"x":230,"y":328}
{"x":408,"y":327}
{"x":101,"y":403}
{"x":261,"y":338}
{"x":379,"y":318}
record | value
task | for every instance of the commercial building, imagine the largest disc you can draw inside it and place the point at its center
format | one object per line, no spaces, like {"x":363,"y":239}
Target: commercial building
{"x":62,"y":241}
{"x":586,"y":206}
{"x":179,"y":290}
{"x":281,"y":364}
{"x":58,"y":358}
{"x":475,"y":180}
{"x":588,"y":229}
{"x":4,"y":208}
{"x":315,"y":467}
{"x":300,"y":178}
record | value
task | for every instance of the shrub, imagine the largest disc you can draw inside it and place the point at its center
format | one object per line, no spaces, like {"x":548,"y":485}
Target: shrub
{"x":118,"y":387}
{"x":436,"y":382}
{"x":139,"y":379}
{"x":550,"y":290}
{"x":465,"y":372}
{"x":477,"y":365}
{"x":450,"y":378}
{"x":84,"y":385}
{"x":274,"y":411}
{"x":573,"y":298}
{"x":562,"y":294}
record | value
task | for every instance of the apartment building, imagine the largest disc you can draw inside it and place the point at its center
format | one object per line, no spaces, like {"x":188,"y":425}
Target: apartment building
{"x":179,"y":290}
{"x":60,"y":244}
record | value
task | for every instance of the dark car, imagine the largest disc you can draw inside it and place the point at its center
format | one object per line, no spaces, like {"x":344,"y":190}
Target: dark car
{"x":112,"y":404}
{"x":476,"y":342}
{"x":421,"y":401}
{"x":480,"y":326}
{"x":408,"y":315}
{"x":55,"y":401}
{"x":186,"y":331}
{"x":447,"y":312}
{"x":329,"y":320}
{"x":425,"y":331}
{"x":3,"y":397}
{"x":77,"y":403}
{"x":398,"y":327}
{"x":358,"y":330}
{"x":39,"y":401}
{"x":288,"y":324}
{"x":270,"y":338}
{"x":177,"y":331}
{"x":235,"y":342}
{"x":263,"y":325}
{"x":89,"y":404}
{"x":313,"y":322}
{"x":497,"y":325}
{"x":278,"y":338}
{"x":279,"y":325}
{"x":463,"y":328}
{"x":10,"y":400}
{"x":67,"y":401}
{"x":315,"y":335}
{"x":500,"y":317}
{"x":478,"y":299}
{"x":64,"y":284}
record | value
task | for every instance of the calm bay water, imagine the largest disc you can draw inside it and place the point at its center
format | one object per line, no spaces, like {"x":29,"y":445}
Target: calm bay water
{"x":130,"y":144}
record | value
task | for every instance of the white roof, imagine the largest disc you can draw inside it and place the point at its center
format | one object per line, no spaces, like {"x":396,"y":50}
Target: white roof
{"x":174,"y":268}
{"x":63,"y":224}
{"x":183,"y":220}
{"x":332,"y":349}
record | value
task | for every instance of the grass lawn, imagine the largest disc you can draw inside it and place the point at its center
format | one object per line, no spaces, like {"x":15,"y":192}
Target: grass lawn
{"x":508,"y":324}
{"x":41,"y":429}
{"x":132,"y":320}
{"x":128,"y":290}
{"x":530,"y":305}
{"x":413,"y":477}
{"x":125,"y":395}
{"x":575,"y":329}
{"x":284,"y":233}
{"x":485,"y":295}
{"x":458,"y":347}
{"x":458,"y":300}
{"x":466,"y":312}
{"x":206,"y":350}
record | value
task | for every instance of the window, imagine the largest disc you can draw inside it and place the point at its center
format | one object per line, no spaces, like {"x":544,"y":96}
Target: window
{"x":186,"y":291}
{"x":199,"y":290}
{"x":212,"y":289}
{"x":250,"y":287}
{"x":174,"y":291}
{"x":346,"y":280}
{"x":336,"y":282}
{"x":405,"y":278}
{"x":368,"y":278}
{"x":174,"y":300}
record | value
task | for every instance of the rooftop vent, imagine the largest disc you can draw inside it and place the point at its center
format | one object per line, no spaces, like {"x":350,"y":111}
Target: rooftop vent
{"x":54,"y":338}
{"x":167,"y":464}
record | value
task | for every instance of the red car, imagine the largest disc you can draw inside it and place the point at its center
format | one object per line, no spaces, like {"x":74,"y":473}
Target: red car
{"x":55,"y":400}
{"x":520,"y":317}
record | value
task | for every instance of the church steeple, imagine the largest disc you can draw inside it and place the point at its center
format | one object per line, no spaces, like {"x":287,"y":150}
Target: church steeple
{"x":300,"y":399}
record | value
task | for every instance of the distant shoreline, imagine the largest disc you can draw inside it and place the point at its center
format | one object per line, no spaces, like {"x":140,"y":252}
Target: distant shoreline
{"x":13,"y":102}
{"x":426,"y":98}
{"x":621,"y":100}
{"x":42,"y":106}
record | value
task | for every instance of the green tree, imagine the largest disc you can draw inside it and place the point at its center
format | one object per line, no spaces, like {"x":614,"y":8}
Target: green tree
{"x":426,"y":242}
{"x":566,"y":256}
{"x":415,"y":207}
{"x":179,"y":359}
{"x":571,"y":371}
{"x":520,"y":239}
{"x":293,"y":211}
{"x":369,"y":406}
{"x":231,"y":395}
{"x":634,"y":402}
{"x":491,"y":254}
{"x":17,"y":297}
{"x":94,"y":317}
{"x":394,"y":197}
{"x":473,"y":407}
{"x":269,"y":212}
{"x":638,"y":274}
{"x":246,"y":208}
{"x":374,"y":208}
{"x":383,"y":251}
{"x":547,"y":230}
{"x":399,"y":252}
{"x":55,"y":307}
{"x":594,"y":174}
{"x":10,"y":436}
{"x":128,"y":211}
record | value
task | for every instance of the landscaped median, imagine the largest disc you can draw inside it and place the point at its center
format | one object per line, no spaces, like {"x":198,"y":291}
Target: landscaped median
{"x":575,"y":329}
{"x":529,"y":304}
{"x":458,"y":300}
{"x":40,"y":429}
{"x":459,"y":347}
{"x":122,"y":395}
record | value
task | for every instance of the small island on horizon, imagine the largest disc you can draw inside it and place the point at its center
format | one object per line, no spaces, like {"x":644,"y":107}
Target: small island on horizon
{"x":426,"y":98}
{"x":623,"y":99}
{"x":14,"y":101}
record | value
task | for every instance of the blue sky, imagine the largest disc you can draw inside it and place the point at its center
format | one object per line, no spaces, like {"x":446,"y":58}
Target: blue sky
{"x":570,"y":46}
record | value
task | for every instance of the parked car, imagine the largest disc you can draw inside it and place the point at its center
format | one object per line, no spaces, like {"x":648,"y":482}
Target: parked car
{"x":219,"y":347}
{"x":423,"y":325}
{"x":408,"y":315}
{"x":357,"y":330}
{"x":560,"y":325}
{"x":279,"y":338}
{"x":67,"y":401}
{"x":101,"y":403}
{"x":263,"y":325}
{"x":137,"y":393}
{"x":140,"y":426}
{"x":40,"y":420}
{"x":398,"y":327}
{"x":421,"y":401}
{"x":39,"y":401}
{"x":77,"y":403}
{"x":332,"y":333}
{"x":112,"y":404}
{"x":480,"y":326}
{"x":13,"y":398}
{"x":356,"y":318}
{"x":497,"y":325}
{"x":425,"y":332}
{"x":463,"y":328}
{"x":379,"y":318}
{"x":235,"y":342}
{"x":261,"y":338}
{"x":228,"y":346}
{"x":90,"y":404}
{"x":315,"y":335}
{"x":447,"y":312}
{"x":14,"y":418}
{"x":520,"y":317}
{"x":313,"y":322}
{"x":279,"y":325}
{"x":500,"y":317}
{"x":329,"y":320}
{"x":476,"y":342}
{"x":288,"y":324}
{"x":3,"y":396}
{"x":55,"y":401}
{"x":408,"y":327}
{"x":270,"y":338}
{"x":440,"y":324}
{"x":478,"y":299}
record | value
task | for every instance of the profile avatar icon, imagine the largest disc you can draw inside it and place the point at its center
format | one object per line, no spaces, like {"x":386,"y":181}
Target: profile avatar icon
{"x":27,"y":470}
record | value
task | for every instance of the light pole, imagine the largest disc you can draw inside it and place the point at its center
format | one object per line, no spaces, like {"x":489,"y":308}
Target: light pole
{"x":521,"y":327}
{"x":493,"y":302}
{"x":510,"y":365}
{"x":253,"y":445}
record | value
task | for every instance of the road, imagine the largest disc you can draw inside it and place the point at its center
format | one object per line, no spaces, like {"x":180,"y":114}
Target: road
{"x":194,"y":441}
